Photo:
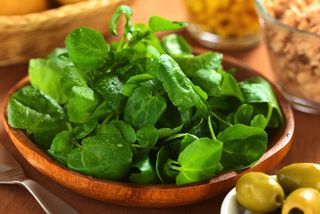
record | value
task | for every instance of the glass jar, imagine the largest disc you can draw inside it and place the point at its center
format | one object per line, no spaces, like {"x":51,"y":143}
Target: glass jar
{"x":294,"y":49}
{"x":224,"y":24}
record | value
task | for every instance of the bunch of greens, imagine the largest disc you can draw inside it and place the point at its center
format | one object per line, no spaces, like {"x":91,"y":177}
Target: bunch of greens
{"x":143,"y":109}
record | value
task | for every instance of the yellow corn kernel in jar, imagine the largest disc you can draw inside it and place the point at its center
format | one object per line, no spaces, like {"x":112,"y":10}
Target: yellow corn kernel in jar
{"x":228,"y":18}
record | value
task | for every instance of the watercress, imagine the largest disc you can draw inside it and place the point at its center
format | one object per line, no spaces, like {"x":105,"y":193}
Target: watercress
{"x":143,"y":109}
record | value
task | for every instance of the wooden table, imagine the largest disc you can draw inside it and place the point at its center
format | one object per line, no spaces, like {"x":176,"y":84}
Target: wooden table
{"x":15,"y":199}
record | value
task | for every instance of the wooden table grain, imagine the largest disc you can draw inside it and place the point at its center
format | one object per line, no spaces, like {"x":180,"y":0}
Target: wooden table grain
{"x":15,"y":199}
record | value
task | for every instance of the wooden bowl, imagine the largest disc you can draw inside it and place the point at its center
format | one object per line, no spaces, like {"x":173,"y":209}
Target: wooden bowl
{"x":160,"y":195}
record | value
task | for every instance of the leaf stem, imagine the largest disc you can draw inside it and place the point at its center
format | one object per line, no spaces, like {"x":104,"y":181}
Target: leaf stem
{"x":175,"y":136}
{"x":213,"y":136}
{"x":174,"y":165}
{"x":108,"y":118}
{"x":220,"y":119}
{"x":136,"y":145}
{"x":69,"y":126}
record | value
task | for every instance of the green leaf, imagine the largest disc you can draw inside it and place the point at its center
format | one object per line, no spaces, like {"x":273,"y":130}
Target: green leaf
{"x":45,"y":75}
{"x":60,"y":58}
{"x":147,"y":136}
{"x":230,"y":87}
{"x":105,"y":156}
{"x":177,"y":85}
{"x":199,"y":161}
{"x":166,"y":132}
{"x":127,"y":132}
{"x":259,"y":121}
{"x":82,"y":103}
{"x":134,"y":82}
{"x":37,"y":113}
{"x":102,"y":111}
{"x":186,"y":141}
{"x":242,"y":146}
{"x":143,"y":108}
{"x":204,"y":70}
{"x":61,"y":146}
{"x":244,"y":114}
{"x":87,"y":48}
{"x":82,"y":130}
{"x":174,"y":44}
{"x":258,"y":91}
{"x":71,"y":77}
{"x":163,"y":163}
{"x":206,"y":61}
{"x":126,"y":10}
{"x":110,"y":87}
{"x":145,"y":172}
{"x":157,"y":24}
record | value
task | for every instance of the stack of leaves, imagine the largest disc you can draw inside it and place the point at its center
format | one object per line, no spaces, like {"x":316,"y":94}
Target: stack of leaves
{"x":143,"y":109}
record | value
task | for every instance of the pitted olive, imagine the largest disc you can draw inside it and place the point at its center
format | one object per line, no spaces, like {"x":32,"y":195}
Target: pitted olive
{"x":258,"y":192}
{"x":302,"y":200}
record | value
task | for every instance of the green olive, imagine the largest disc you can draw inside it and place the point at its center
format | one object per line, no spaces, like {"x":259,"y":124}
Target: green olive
{"x":299,"y":175}
{"x":258,"y":192}
{"x":302,"y":200}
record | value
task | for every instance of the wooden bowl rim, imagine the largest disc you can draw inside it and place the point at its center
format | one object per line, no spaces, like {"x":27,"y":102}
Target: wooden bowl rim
{"x":282,"y":140}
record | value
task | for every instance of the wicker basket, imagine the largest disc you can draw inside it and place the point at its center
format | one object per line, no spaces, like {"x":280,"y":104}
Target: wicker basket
{"x":35,"y":35}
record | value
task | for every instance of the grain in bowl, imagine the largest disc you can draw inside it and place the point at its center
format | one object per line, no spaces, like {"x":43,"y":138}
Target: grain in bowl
{"x":292,"y":31}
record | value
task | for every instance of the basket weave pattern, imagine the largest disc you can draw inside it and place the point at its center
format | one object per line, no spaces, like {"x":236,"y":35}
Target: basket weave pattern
{"x":35,"y":35}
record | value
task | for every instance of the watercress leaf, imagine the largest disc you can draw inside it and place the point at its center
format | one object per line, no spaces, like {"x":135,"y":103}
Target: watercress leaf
{"x":110,"y":87}
{"x":166,"y":132}
{"x":157,"y":24}
{"x":102,"y":111}
{"x":105,"y":156}
{"x":83,"y":130}
{"x":230,"y":87}
{"x":30,"y":106}
{"x":143,"y":108}
{"x":258,"y":91}
{"x":134,"y":82}
{"x":45,"y":132}
{"x":164,"y":166}
{"x":126,"y":130}
{"x":199,"y":161}
{"x":147,"y":136}
{"x":61,"y":146}
{"x":71,"y":77}
{"x":87,"y":48}
{"x":82,"y":103}
{"x":162,"y":157}
{"x":259,"y":121}
{"x":207,"y":61}
{"x":201,"y":69}
{"x":145,"y":172}
{"x":45,"y":75}
{"x":187,"y":140}
{"x":242,"y":146}
{"x":174,"y":44}
{"x":177,"y":85}
{"x":60,"y":57}
{"x":37,"y":113}
{"x":244,"y":114}
{"x":126,"y":10}
{"x":209,"y":80}
{"x":199,"y":128}
{"x":219,"y":102}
